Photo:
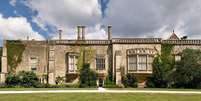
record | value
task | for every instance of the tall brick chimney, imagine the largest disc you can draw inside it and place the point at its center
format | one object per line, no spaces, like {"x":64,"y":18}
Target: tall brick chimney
{"x":83,"y":32}
{"x":109,"y":31}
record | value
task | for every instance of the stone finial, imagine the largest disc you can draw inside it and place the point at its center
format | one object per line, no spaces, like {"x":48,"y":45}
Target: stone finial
{"x":173,"y":36}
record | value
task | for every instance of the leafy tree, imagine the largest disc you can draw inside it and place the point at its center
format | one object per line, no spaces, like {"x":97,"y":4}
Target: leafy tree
{"x":159,"y":76}
{"x":129,"y":80}
{"x":87,"y":77}
{"x":187,"y":72}
{"x":162,"y":68}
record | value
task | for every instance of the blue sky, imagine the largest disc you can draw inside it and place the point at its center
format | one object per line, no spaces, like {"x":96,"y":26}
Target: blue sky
{"x":41,"y":19}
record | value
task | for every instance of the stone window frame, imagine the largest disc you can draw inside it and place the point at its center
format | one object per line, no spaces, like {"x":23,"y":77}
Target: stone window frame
{"x":75,"y":60}
{"x":36,"y":64}
{"x":102,"y":59}
{"x":140,"y":52}
{"x":137,"y":62}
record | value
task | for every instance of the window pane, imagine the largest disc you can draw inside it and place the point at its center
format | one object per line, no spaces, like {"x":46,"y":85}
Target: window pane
{"x":132,"y":63}
{"x":100,"y":63}
{"x":150,"y":61}
{"x":142,"y":62}
{"x":33,"y":63}
{"x":72,"y":64}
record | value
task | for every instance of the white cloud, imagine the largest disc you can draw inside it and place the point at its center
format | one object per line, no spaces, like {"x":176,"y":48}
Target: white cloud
{"x":139,"y":18}
{"x":13,"y":2}
{"x":17,"y":28}
{"x":66,"y":14}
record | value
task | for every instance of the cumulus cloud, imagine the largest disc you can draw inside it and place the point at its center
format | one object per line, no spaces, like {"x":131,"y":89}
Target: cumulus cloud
{"x":66,"y":14}
{"x":17,"y":28}
{"x":154,"y":18}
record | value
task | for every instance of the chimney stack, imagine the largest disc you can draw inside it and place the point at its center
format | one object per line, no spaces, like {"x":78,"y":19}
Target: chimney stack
{"x":83,"y":32}
{"x":109,"y":32}
{"x":60,"y":34}
{"x":78,"y":32}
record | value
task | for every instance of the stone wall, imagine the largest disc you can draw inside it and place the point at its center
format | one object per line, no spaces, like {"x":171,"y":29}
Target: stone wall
{"x":37,"y":50}
{"x":61,"y":51}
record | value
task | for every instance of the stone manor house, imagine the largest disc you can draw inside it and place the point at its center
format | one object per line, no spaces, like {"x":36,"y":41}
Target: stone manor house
{"x":60,"y":58}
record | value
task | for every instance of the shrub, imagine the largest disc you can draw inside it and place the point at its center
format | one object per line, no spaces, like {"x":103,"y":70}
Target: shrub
{"x":87,"y":77}
{"x":25,"y":79}
{"x":129,"y":80}
{"x":59,"y":80}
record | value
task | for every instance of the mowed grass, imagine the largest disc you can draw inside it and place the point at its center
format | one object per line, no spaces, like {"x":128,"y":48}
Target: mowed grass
{"x":39,"y":89}
{"x":100,"y":97}
{"x":44,"y":89}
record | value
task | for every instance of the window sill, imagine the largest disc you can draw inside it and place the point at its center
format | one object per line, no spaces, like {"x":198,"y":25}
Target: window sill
{"x":140,"y":72}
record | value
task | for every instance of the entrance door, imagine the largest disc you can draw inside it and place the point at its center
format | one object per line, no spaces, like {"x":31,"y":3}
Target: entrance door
{"x":100,"y":82}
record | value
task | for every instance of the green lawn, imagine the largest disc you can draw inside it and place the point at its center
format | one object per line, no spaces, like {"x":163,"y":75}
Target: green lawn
{"x":100,"y":97}
{"x":38,"y":89}
{"x":152,"y":89}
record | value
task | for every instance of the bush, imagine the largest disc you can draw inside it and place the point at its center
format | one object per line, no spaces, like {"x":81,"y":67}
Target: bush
{"x":129,"y":80}
{"x":24,"y":79}
{"x":87,"y":77}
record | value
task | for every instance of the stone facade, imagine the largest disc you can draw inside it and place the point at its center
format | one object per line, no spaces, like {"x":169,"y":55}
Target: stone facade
{"x":60,"y":58}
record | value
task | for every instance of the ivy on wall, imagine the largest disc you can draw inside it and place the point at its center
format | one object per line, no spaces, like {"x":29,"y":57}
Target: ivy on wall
{"x":86,"y":54}
{"x":15,"y":50}
{"x":166,"y":56}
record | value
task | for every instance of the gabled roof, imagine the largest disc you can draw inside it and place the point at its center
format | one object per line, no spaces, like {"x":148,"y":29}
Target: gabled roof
{"x":174,"y":36}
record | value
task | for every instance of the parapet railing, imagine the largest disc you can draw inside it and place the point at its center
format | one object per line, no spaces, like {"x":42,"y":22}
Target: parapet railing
{"x":182,"y":42}
{"x":135,"y":40}
{"x":81,"y":42}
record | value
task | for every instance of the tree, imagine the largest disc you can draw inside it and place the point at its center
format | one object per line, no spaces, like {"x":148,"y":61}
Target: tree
{"x":187,"y":72}
{"x":87,"y":77}
{"x":159,"y":76}
{"x":129,"y":80}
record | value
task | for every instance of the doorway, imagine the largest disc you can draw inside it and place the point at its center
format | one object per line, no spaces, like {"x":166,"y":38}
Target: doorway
{"x":100,"y":82}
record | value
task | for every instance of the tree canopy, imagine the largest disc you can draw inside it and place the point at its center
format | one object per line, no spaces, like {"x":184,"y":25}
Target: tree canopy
{"x":187,"y":72}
